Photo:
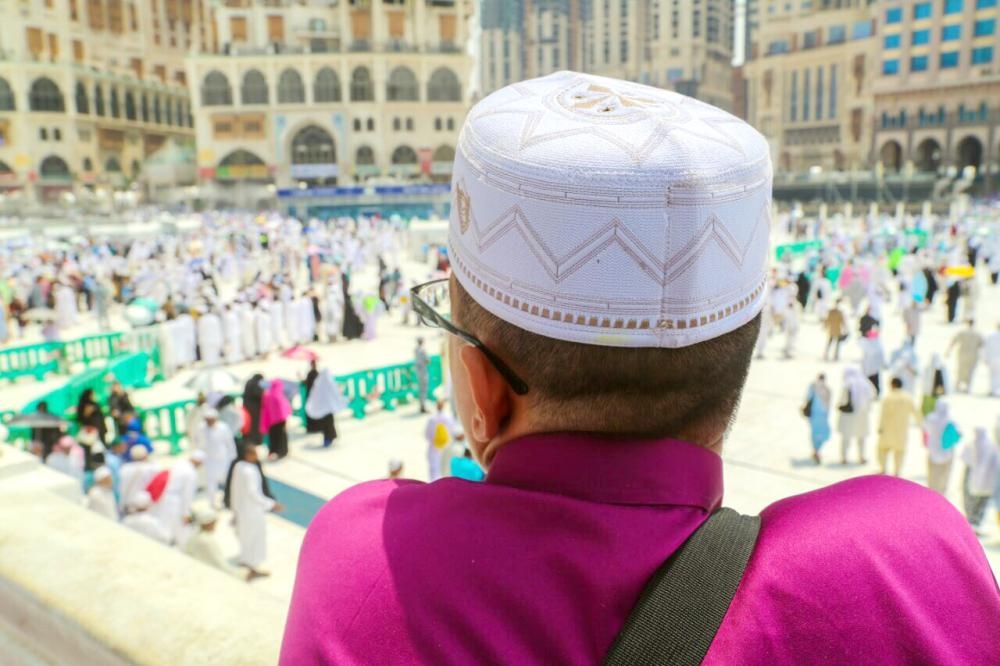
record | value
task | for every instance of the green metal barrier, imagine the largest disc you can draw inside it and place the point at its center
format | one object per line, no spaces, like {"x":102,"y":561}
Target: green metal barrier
{"x":148,"y":340}
{"x":392,"y":386}
{"x":130,"y":370}
{"x":35,"y":360}
{"x":796,"y":249}
{"x":94,"y":348}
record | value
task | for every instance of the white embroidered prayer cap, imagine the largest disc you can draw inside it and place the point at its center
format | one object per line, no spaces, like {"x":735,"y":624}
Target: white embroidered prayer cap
{"x":605,"y":212}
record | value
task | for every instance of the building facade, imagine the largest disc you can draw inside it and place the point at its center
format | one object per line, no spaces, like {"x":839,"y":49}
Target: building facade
{"x":307,"y":94}
{"x":809,"y":88}
{"x":937,"y":88}
{"x":91,"y":89}
{"x":671,"y":44}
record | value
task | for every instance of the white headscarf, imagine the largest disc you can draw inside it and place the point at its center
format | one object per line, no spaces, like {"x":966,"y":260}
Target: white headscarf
{"x":325,"y":397}
{"x":861,"y":390}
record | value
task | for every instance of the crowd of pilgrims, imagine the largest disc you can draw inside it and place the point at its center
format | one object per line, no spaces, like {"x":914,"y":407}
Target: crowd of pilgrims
{"x":850,"y":287}
{"x":238,"y":288}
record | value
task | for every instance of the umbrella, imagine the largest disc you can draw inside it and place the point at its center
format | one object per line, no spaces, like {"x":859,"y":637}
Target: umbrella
{"x":213,"y":380}
{"x":138,"y":315}
{"x":40,"y":314}
{"x":960,"y":271}
{"x":300,"y":353}
{"x":37,"y":420}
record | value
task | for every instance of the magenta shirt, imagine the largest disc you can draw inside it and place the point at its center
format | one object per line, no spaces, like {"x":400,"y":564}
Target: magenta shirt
{"x":542,"y":563}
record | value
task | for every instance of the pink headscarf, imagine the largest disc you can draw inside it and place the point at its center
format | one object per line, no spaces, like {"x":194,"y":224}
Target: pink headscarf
{"x":274,"y":407}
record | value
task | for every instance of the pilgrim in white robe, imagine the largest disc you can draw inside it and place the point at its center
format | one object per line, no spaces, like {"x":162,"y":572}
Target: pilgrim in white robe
{"x":277,"y":325}
{"x":333,"y":313}
{"x":250,"y":507}
{"x":210,"y":338}
{"x":265,"y":337}
{"x":187,"y":339}
{"x":231,"y":333}
{"x":101,"y":500}
{"x":219,"y":445}
{"x":307,"y":319}
{"x":204,"y":547}
{"x":146,"y":523}
{"x":133,"y":478}
{"x":65,"y":302}
{"x":248,"y":332}
{"x":175,"y":503}
{"x":293,"y":332}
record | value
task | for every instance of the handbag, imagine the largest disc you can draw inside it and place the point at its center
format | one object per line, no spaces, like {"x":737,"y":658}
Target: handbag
{"x":807,"y":409}
{"x":847,"y":407}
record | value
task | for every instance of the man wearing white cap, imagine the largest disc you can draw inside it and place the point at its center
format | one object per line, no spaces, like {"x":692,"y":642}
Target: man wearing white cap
{"x":203,"y":545}
{"x":101,"y":496}
{"x":143,"y":521}
{"x":135,"y":476}
{"x":609,"y":243}
{"x":217,"y":441}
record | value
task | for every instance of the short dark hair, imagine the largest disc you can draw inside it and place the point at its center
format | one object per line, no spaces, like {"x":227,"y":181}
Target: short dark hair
{"x":897,"y":382}
{"x":686,"y":393}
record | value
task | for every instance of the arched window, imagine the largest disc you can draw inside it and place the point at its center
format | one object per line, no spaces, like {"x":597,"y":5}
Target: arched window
{"x":397,"y":124}
{"x":365,"y":156}
{"x":45,"y":96}
{"x":444,"y":154}
{"x":290,"y":88}
{"x":215,"y":90}
{"x":88,"y":165}
{"x":54,"y":167}
{"x":113,"y":165}
{"x":357,"y":124}
{"x":82,"y":101}
{"x":7,"y":101}
{"x":437,"y":124}
{"x":443,"y":86}
{"x":404,"y":155}
{"x":402,"y":86}
{"x":130,"y":106}
{"x":157,"y":111}
{"x":362,"y":89}
{"x":116,"y":109}
{"x":168,"y":112}
{"x":144,"y":108}
{"x":99,"y":100}
{"x":451,"y":124}
{"x":326,"y":87}
{"x":371,"y":124}
{"x":254,"y":88}
{"x":242,"y":165}
{"x":313,"y":145}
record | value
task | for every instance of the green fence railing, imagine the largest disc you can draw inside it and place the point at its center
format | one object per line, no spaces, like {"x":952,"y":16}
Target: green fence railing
{"x":389,"y":386}
{"x":92,"y":349}
{"x":37,"y":360}
{"x":129,"y":369}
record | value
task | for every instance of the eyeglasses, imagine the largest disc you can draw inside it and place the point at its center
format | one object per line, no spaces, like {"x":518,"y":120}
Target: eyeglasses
{"x":432,"y":303}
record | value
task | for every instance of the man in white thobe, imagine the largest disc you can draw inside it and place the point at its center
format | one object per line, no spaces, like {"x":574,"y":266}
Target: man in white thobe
{"x":210,"y":338}
{"x":307,"y":319}
{"x":187,"y":339}
{"x":333,"y":313}
{"x":135,"y":476}
{"x":265,"y":334}
{"x":231,"y":332}
{"x":250,"y":507}
{"x":101,"y":496}
{"x":142,"y":521}
{"x":174,"y":505}
{"x":203,"y":545}
{"x":248,"y":331}
{"x":217,"y":441}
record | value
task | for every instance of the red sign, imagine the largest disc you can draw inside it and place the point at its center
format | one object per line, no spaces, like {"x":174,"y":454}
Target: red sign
{"x":206,"y":173}
{"x":425,"y":155}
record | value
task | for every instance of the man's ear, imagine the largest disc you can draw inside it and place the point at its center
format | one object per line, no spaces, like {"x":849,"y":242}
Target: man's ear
{"x":489,"y":392}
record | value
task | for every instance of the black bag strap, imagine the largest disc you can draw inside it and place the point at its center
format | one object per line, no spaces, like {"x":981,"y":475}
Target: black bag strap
{"x":682,"y":606}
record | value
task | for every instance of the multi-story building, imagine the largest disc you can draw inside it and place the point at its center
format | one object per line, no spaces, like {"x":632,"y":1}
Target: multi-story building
{"x":89,"y":89}
{"x":809,"y":86}
{"x":668,"y":43}
{"x":937,"y":87}
{"x":335,"y":92}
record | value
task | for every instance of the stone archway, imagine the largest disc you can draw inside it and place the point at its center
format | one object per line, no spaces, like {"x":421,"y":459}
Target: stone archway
{"x":969,"y":152}
{"x":891,"y":156}
{"x":927,"y":158}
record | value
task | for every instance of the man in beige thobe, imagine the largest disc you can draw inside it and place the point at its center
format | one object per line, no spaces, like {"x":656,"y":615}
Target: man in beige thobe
{"x":969,"y":344}
{"x":898,"y":413}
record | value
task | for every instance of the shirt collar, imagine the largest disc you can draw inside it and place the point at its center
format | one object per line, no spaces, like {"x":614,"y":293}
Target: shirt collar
{"x":611,"y":471}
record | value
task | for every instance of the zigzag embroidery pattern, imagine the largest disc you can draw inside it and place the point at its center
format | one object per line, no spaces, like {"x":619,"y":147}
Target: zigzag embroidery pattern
{"x":616,"y":233}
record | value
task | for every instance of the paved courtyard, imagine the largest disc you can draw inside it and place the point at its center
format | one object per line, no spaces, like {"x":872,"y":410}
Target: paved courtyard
{"x":767,"y":455}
